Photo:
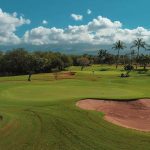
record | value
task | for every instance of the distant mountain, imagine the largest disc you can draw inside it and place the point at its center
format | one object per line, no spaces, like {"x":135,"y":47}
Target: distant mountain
{"x":84,"y":48}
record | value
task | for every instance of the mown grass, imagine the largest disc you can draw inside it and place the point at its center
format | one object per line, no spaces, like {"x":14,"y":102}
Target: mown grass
{"x":41,"y":115}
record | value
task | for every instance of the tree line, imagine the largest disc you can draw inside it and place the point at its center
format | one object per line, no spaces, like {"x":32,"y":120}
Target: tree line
{"x":134,"y":54}
{"x":129,"y":58}
{"x":20,"y":61}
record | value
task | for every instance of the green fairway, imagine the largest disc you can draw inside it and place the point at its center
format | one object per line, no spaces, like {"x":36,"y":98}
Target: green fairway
{"x":42,"y":115}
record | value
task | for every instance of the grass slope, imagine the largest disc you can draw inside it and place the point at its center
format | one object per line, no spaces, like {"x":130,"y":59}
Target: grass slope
{"x":42,"y":115}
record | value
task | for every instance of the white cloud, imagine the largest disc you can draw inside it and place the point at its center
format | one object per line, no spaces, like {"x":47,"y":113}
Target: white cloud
{"x":97,"y":31}
{"x":100,"y":31}
{"x":77,"y":17}
{"x":89,"y":11}
{"x":103,"y":23}
{"x":44,"y":22}
{"x":44,"y":36}
{"x":8,"y":26}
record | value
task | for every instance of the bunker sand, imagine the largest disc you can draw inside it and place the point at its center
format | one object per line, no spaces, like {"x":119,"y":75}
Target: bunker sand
{"x":129,"y":114}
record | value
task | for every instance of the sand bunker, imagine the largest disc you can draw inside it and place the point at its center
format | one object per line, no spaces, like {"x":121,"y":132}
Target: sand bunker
{"x":129,"y":114}
{"x":65,"y":75}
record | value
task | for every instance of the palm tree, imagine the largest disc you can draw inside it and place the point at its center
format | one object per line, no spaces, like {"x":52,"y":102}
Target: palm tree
{"x":139,"y":43}
{"x":132,"y":53}
{"x":102,"y":55}
{"x":119,"y":45}
{"x":144,"y":60}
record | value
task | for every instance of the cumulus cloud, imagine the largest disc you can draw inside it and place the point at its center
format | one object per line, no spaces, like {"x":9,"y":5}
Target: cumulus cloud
{"x":77,"y":17}
{"x":44,"y":36}
{"x":98,"y":32}
{"x":8,"y":26}
{"x":44,"y":22}
{"x":89,"y":11}
{"x":103,"y":23}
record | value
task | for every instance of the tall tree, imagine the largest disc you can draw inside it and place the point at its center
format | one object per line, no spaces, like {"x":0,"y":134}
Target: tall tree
{"x":139,"y":43}
{"x":102,"y":55}
{"x":144,"y":60}
{"x":83,"y":62}
{"x":132,"y":54}
{"x":119,"y":45}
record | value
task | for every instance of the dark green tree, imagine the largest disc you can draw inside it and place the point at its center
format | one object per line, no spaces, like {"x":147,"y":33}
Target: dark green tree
{"x":83,"y":62}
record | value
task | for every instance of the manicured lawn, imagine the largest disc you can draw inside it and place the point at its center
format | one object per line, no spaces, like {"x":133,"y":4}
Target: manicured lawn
{"x":41,"y":115}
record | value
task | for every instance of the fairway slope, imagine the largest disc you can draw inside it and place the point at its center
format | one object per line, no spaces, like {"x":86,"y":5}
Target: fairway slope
{"x":130,"y":114}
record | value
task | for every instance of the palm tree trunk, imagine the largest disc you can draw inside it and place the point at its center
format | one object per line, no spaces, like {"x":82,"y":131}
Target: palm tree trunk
{"x":124,"y":62}
{"x":131,"y":59}
{"x":117,"y":59}
{"x":137,"y":57}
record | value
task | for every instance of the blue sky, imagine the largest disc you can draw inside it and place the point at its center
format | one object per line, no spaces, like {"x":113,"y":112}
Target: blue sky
{"x":130,"y":13}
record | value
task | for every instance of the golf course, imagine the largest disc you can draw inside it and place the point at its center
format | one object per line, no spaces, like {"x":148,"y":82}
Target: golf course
{"x":43,"y":115}
{"x":74,"y":75}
